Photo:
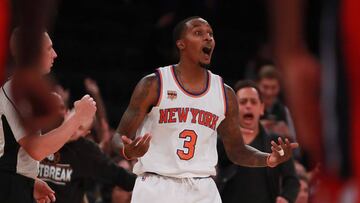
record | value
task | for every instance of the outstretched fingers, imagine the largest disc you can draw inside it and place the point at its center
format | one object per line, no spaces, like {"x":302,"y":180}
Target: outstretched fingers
{"x":136,"y":142}
{"x":145,"y":140}
{"x":275,"y":146}
{"x":293,"y":145}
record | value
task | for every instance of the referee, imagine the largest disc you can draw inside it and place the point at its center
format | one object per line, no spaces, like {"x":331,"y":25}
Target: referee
{"x":20,"y":153}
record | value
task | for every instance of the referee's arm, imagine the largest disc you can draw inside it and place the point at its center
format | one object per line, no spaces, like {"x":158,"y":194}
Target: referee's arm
{"x":38,"y":147}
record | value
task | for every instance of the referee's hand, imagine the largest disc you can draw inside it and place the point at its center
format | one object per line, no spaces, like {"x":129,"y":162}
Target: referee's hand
{"x":85,"y":109}
{"x":42,"y":192}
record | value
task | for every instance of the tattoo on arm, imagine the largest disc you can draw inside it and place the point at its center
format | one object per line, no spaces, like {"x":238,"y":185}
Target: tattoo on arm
{"x":144,"y":97}
{"x":229,"y":129}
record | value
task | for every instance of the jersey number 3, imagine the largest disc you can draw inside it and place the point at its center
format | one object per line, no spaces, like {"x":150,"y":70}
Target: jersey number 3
{"x":190,"y":138}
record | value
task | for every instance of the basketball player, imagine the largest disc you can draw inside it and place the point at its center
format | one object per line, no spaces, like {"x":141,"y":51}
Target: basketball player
{"x":20,"y":151}
{"x":183,"y":107}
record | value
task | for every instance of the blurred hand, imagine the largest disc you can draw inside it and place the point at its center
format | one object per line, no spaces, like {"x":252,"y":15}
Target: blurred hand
{"x":137,"y":147}
{"x":64,"y":93}
{"x":85,"y":109}
{"x":281,"y":129}
{"x":301,"y":78}
{"x":105,"y":130}
{"x":91,"y":86}
{"x":275,"y":157}
{"x":42,"y":192}
{"x":280,"y":199}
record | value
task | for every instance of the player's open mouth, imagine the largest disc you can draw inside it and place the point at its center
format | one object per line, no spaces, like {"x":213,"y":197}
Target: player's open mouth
{"x":248,"y":116}
{"x":207,"y":50}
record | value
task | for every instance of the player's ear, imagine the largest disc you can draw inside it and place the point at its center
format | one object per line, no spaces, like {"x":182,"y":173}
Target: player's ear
{"x":180,"y":44}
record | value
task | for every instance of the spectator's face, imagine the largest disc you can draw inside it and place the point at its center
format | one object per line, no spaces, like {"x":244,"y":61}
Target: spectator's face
{"x":303,"y":195}
{"x":48,"y":55}
{"x":269,"y":89}
{"x":197,"y":42}
{"x":250,"y":107}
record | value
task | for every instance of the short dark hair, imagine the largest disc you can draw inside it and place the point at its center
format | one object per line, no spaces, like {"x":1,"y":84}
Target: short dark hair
{"x":241,"y":84}
{"x":180,"y":27}
{"x":25,"y":45}
{"x":268,"y":71}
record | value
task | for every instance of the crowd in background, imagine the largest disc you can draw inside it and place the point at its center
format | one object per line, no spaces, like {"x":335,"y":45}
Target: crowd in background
{"x":242,"y":53}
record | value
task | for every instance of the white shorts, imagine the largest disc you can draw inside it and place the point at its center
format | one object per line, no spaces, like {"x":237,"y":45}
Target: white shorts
{"x":151,"y":188}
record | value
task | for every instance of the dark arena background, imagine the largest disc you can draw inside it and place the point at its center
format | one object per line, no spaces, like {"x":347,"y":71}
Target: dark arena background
{"x":118,"y":42}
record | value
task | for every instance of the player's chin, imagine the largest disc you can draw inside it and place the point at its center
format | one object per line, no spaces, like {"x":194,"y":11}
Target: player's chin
{"x":46,"y":70}
{"x":205,"y":63}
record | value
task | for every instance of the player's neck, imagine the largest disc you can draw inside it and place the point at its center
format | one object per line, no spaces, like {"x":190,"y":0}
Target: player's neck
{"x":191,"y":72}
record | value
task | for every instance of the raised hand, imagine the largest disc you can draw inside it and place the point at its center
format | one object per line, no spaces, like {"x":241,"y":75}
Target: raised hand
{"x":85,"y":109}
{"x":281,"y":152}
{"x":136,"y":148}
{"x":91,"y":86}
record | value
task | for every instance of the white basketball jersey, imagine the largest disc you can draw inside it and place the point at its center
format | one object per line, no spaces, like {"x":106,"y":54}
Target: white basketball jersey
{"x":183,"y":128}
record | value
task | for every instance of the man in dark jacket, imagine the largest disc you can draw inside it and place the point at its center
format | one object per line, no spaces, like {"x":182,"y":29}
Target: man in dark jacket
{"x":79,"y":161}
{"x":255,"y":185}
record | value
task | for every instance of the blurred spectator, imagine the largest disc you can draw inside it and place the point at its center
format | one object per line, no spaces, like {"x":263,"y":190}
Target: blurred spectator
{"x":102,"y":128}
{"x":276,"y":116}
{"x":262,"y":57}
{"x":255,"y":185}
{"x":303,"y":195}
{"x":300,"y":169}
{"x":79,"y":160}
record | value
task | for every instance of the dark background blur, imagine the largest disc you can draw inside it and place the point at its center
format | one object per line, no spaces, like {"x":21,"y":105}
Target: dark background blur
{"x":117,"y":42}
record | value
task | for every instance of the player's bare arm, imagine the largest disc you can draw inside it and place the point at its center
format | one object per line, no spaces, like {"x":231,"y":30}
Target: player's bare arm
{"x":242,"y":154}
{"x":142,"y":100}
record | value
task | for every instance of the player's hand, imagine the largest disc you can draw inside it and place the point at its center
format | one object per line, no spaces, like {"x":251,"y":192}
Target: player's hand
{"x":281,"y":152}
{"x":85,"y":109}
{"x":137,"y":147}
{"x":280,"y":199}
{"x":42,"y":192}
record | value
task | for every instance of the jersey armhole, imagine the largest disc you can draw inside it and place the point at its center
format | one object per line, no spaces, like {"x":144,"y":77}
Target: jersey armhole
{"x":224,"y":95}
{"x":159,"y":76}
